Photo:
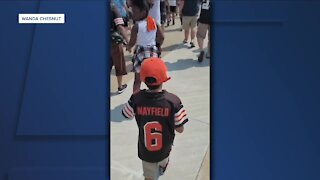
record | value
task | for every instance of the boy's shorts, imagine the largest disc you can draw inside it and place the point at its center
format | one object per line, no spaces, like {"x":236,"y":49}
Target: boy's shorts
{"x":152,"y":170}
{"x":189,"y":22}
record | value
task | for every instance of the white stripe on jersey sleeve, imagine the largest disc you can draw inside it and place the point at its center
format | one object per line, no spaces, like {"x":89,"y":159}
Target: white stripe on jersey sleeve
{"x":127,"y":111}
{"x":180,"y":114}
{"x":180,"y":117}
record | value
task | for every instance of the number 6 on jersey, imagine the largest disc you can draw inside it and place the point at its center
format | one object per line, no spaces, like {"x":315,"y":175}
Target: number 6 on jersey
{"x":153,"y":136}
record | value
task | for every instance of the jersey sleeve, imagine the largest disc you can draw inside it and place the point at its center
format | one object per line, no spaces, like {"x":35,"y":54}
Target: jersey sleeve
{"x":180,"y":116}
{"x":127,"y":110}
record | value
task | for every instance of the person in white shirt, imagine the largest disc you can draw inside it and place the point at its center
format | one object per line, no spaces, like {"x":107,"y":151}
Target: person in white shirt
{"x":173,"y":11}
{"x":146,"y":34}
{"x":154,"y":11}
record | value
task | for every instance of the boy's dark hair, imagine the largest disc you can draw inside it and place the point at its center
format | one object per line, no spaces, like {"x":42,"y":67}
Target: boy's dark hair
{"x":151,"y":80}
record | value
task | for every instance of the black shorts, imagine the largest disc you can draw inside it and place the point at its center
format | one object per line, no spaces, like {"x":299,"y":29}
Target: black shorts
{"x":173,"y":9}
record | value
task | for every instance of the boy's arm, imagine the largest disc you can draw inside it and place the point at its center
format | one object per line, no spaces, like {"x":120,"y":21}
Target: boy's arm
{"x":127,"y":110}
{"x":180,"y":117}
{"x":179,"y":129}
{"x":133,"y":37}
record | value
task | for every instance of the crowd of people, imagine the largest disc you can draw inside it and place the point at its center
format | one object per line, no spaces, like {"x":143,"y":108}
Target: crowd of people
{"x":138,"y":26}
{"x":158,"y":113}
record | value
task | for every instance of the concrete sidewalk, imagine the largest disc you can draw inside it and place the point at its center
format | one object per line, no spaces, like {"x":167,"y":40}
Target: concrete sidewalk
{"x":191,"y":82}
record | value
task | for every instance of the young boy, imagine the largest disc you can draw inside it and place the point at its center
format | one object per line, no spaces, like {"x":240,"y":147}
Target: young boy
{"x":158,"y":115}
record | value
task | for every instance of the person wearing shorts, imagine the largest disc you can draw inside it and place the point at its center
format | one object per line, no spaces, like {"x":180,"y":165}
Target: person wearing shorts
{"x":204,"y":28}
{"x":117,"y":54}
{"x":173,"y":10}
{"x":190,"y":12}
{"x":159,"y":114}
{"x":163,"y":12}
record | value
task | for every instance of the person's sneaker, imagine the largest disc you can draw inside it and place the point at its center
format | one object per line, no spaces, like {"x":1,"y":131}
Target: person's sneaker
{"x":122,"y":88}
{"x":181,"y":29}
{"x":185,"y":41}
{"x":200,"y":58}
{"x":173,"y":22}
{"x":192,"y":45}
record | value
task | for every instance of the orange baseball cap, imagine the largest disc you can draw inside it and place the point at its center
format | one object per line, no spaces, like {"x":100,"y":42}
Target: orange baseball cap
{"x":156,"y":68}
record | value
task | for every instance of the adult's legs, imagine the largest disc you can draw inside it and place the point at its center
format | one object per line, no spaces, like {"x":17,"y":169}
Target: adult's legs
{"x":209,"y":40}
{"x":193,"y":25}
{"x":173,"y":14}
{"x":117,"y":56}
{"x":186,"y":28}
{"x":186,"y":34}
{"x":201,"y":35}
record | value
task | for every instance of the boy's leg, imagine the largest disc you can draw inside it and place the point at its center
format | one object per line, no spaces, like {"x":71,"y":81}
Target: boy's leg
{"x":150,"y":170}
{"x":163,"y":165}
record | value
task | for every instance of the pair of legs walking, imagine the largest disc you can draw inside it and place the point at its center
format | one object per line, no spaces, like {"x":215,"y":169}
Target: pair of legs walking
{"x":152,"y":171}
{"x":189,"y":24}
{"x":118,"y":61}
{"x":203,"y":29}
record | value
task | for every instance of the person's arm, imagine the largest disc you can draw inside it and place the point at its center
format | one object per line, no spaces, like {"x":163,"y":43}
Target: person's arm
{"x":180,"y":117}
{"x":180,"y":129}
{"x":123,"y":32}
{"x":129,"y":3}
{"x":120,"y":23}
{"x":166,"y":2}
{"x":127,"y":110}
{"x":125,"y":5}
{"x":133,"y":37}
{"x":181,"y":4}
{"x":159,"y":35}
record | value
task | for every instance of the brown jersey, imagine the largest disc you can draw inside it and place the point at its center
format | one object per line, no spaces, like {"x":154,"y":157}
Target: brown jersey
{"x":157,"y":115}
